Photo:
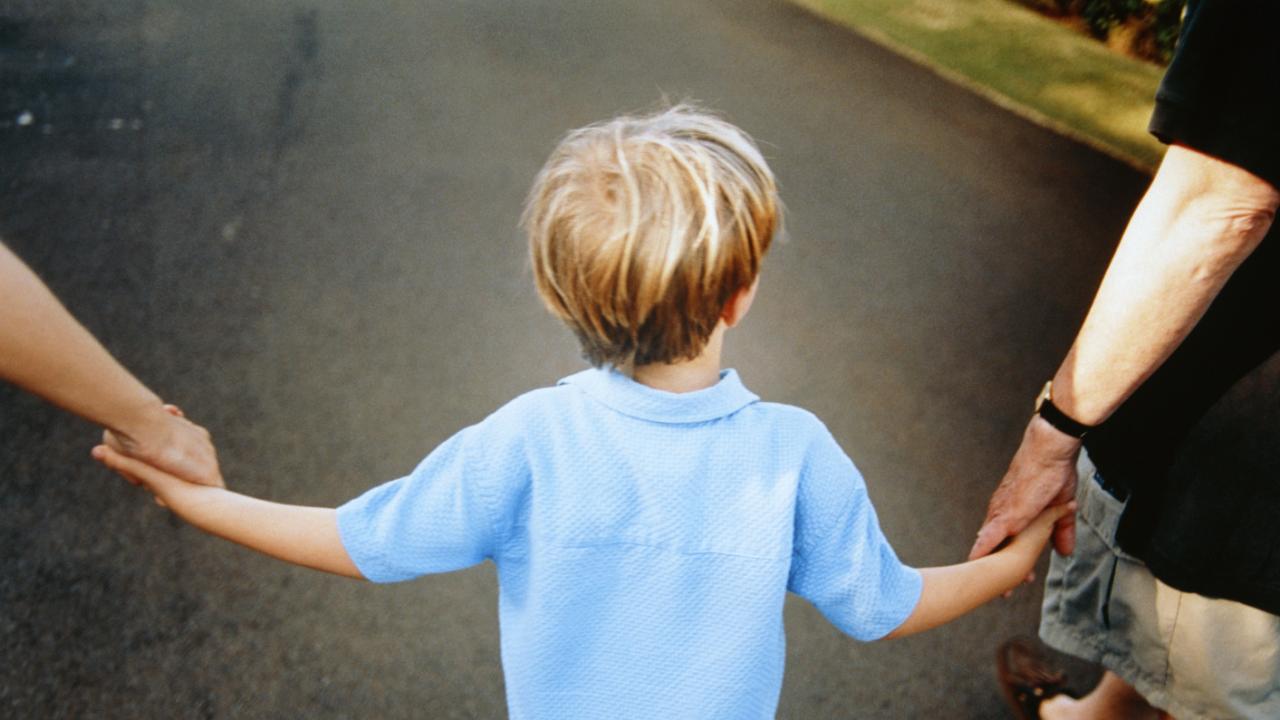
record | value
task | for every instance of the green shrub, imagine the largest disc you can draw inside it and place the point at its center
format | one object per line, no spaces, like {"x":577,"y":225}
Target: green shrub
{"x":1150,"y":26}
{"x":1168,"y":21}
{"x":1103,"y":15}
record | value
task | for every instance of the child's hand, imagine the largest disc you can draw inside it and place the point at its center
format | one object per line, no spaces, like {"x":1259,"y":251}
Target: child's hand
{"x":158,"y":482}
{"x":1027,"y":545}
{"x":953,"y":590}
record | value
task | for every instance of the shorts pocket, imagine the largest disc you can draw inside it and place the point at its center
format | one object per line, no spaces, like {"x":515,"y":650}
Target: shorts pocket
{"x":1080,"y":585}
{"x":1099,"y":513}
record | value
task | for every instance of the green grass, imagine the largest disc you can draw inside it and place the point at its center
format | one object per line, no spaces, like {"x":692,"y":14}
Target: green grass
{"x":1027,"y":62}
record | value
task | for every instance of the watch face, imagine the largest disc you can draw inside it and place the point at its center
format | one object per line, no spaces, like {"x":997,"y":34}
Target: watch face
{"x":1045,"y":392}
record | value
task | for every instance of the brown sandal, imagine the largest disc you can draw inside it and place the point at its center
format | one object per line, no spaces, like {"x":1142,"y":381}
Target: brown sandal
{"x":1026,"y":677}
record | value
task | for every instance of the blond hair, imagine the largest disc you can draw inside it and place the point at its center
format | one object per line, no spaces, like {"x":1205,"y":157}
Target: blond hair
{"x":642,"y":228}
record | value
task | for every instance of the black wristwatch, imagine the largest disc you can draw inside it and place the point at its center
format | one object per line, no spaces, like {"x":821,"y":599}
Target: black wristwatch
{"x":1055,"y":417}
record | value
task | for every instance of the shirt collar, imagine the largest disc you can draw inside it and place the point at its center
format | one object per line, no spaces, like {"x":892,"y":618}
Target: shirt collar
{"x":629,"y":397}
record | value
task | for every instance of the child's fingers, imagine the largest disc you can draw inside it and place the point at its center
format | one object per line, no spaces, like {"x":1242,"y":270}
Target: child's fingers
{"x":130,"y":478}
{"x":130,"y":468}
{"x":1028,"y":579}
{"x":109,"y":439}
{"x":97,"y":455}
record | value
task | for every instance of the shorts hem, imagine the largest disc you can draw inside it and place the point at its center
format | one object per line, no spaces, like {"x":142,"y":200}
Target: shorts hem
{"x":1065,"y":639}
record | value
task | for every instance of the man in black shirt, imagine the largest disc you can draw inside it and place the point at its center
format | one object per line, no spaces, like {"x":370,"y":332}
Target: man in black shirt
{"x":1175,"y":582}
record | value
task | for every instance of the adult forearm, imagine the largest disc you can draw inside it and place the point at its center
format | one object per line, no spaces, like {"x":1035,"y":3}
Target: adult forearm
{"x":1197,"y":223}
{"x":306,"y":536}
{"x":44,"y":350}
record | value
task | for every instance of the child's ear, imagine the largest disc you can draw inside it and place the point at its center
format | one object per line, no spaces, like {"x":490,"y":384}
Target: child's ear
{"x":739,"y":304}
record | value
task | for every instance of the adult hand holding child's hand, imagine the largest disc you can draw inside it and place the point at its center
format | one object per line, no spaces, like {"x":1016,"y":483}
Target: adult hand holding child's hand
{"x":1042,"y":474}
{"x":165,"y":438}
{"x":1028,"y":544}
{"x":1025,"y":547}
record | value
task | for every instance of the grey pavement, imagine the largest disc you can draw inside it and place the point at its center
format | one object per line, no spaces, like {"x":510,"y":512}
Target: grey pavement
{"x":298,"y":221}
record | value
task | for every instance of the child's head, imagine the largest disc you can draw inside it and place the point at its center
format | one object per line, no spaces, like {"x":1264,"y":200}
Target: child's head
{"x":642,"y":228}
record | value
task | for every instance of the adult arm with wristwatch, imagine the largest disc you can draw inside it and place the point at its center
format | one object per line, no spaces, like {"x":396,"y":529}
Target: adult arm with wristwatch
{"x":1199,"y":220}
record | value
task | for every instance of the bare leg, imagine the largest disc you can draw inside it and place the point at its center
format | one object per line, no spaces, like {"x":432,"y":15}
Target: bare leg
{"x":1112,"y":699}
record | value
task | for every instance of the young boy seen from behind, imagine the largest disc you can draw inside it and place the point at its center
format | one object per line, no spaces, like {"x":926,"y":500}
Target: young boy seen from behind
{"x":646,"y":516}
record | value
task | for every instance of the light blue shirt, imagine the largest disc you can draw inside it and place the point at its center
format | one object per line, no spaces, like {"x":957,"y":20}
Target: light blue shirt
{"x":644,"y":542}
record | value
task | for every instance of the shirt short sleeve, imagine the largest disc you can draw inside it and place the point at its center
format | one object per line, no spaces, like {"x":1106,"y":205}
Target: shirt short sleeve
{"x":1220,"y":95}
{"x":443,"y":516}
{"x":842,"y":562}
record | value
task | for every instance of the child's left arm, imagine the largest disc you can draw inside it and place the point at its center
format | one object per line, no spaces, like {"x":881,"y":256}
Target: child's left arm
{"x":306,"y":536}
{"x":955,"y":590}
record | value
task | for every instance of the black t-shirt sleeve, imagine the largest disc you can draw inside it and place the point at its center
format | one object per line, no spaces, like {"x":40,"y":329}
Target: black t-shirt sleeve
{"x":1221,"y":94}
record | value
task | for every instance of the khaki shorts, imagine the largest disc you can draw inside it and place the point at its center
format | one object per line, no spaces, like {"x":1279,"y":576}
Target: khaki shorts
{"x":1191,"y":656}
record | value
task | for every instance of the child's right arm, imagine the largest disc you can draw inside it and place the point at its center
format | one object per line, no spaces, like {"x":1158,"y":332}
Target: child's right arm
{"x":954,"y":590}
{"x":306,"y":536}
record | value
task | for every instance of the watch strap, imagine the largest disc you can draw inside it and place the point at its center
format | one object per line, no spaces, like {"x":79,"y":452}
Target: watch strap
{"x":1061,"y":421}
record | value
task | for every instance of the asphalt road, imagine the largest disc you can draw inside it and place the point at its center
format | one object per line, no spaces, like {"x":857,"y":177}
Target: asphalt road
{"x":298,"y":221}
